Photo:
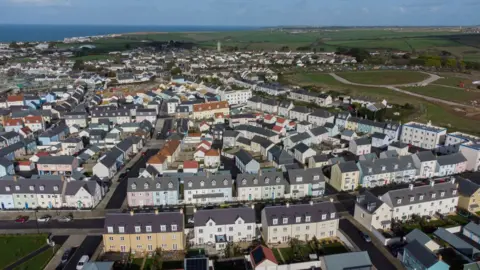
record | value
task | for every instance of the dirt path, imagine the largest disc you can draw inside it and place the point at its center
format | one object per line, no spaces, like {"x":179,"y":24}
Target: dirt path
{"x":427,"y":81}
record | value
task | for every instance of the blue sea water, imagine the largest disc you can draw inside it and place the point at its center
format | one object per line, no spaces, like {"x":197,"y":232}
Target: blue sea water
{"x":15,"y":32}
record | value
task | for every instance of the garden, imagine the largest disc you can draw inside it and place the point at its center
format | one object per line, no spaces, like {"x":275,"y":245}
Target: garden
{"x":298,"y":251}
{"x":427,"y":225}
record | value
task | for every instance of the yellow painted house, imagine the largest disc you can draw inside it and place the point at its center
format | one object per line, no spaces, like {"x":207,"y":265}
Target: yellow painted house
{"x":469,"y":195}
{"x":143,"y":232}
{"x":345,"y":176}
{"x":351,"y":125}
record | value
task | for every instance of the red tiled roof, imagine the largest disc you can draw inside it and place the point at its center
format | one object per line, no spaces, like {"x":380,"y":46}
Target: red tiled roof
{"x":268,"y":117}
{"x":26,"y":163}
{"x":42,"y":154}
{"x":277,"y":128}
{"x":157,"y":159}
{"x":201,"y":148}
{"x":261,"y":254}
{"x":280,"y":120}
{"x":14,"y":98}
{"x":219,"y":115}
{"x":26,"y":130}
{"x":32,"y":119}
{"x":13,"y":122}
{"x":190,"y":165}
{"x":204,"y":123}
{"x":210,"y":106}
{"x":291,"y":123}
{"x":212,"y":153}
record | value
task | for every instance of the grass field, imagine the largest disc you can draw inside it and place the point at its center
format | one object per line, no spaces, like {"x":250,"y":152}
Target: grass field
{"x":446,"y":93}
{"x":384,"y":77}
{"x":94,"y":57}
{"x":37,"y":262}
{"x":14,"y":247}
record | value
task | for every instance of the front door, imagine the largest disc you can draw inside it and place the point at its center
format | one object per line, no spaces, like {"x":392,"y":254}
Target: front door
{"x":123,"y":249}
{"x":49,"y":204}
{"x":26,"y":205}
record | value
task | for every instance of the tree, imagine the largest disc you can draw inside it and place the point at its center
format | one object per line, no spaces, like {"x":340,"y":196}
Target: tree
{"x":296,"y":248}
{"x":158,"y":259}
{"x":14,"y":45}
{"x":78,"y":65}
{"x":51,"y":45}
{"x":232,"y":250}
{"x":175,"y":71}
{"x":451,"y":63}
{"x":128,"y":46}
{"x":432,"y":62}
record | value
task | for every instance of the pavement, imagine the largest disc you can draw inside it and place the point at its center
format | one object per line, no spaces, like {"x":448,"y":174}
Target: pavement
{"x":380,"y":257}
{"x":32,"y":224}
{"x":72,"y":242}
{"x":120,"y":190}
{"x":432,"y":78}
{"x":87,"y":247}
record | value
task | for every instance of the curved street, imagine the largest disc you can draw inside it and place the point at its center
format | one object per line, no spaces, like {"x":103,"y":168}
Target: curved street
{"x":429,"y":80}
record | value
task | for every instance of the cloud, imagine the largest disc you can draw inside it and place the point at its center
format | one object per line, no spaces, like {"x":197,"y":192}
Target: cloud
{"x":365,"y":10}
{"x":41,"y":2}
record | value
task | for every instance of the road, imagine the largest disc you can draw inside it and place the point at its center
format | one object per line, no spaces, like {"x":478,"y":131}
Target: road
{"x":74,"y":224}
{"x":120,"y":193}
{"x":378,"y":259}
{"x":167,"y":127}
{"x":427,"y":81}
{"x":88,"y":247}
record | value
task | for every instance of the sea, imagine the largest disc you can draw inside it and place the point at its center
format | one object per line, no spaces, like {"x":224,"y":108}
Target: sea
{"x":29,"y":33}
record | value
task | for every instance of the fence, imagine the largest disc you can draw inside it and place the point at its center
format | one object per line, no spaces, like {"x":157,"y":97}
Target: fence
{"x":385,"y":240}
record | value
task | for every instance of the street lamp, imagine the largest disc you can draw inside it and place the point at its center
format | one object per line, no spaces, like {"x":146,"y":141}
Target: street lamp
{"x":36,"y":221}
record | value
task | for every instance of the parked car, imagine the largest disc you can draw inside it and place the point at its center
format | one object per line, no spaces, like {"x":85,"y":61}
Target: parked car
{"x":65,"y":219}
{"x":66,"y":255}
{"x":83,"y":260}
{"x":45,"y":218}
{"x":21,"y":219}
{"x":366,"y":237}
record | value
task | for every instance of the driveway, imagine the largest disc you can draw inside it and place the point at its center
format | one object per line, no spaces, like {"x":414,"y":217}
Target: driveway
{"x":429,"y":80}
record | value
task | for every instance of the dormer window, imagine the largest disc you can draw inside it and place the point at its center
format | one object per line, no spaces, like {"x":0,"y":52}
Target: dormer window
{"x":170,"y":185}
{"x":32,"y":188}
{"x":244,"y":181}
{"x":307,"y":218}
{"x":332,"y":215}
{"x":157,"y":185}
{"x":267,"y":180}
{"x":442,"y":194}
{"x":298,"y":219}
{"x":202,"y":183}
{"x":399,"y":201}
{"x":134,"y":186}
{"x":7,"y":188}
{"x":299,"y":179}
{"x":316,"y":177}
{"x":277,"y":179}
{"x":174,"y":227}
{"x":324,"y":216}
{"x":411,"y":198}
{"x":225,"y":182}
{"x":190,"y":184}
{"x":275,"y":221}
{"x":42,"y":188}
{"x":434,"y":195}
{"x":145,"y":186}
{"x":138,"y":229}
{"x":17,"y":187}
{"x":214,"y":183}
{"x":255,"y":181}
{"x":421,"y":197}
{"x":454,"y":192}
{"x":285,"y":220}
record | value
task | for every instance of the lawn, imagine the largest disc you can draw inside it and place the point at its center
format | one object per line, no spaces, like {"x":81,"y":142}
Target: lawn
{"x":334,"y":248}
{"x":95,"y":57}
{"x":446,"y":93}
{"x":387,"y":77}
{"x":37,"y":262}
{"x":453,"y":81}
{"x":277,"y":256}
{"x":14,"y":247}
{"x":148,"y":264}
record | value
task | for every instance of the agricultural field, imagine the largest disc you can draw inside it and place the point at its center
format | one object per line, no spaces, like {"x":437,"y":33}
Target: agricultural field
{"x":464,"y":96}
{"x":390,"y":77}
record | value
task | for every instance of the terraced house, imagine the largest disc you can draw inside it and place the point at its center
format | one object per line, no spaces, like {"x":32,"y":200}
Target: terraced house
{"x":261,"y":186}
{"x":152,"y":192}
{"x":300,"y":221}
{"x":379,"y":172}
{"x":208,"y":110}
{"x":209,"y":188}
{"x":143,"y":232}
{"x":306,"y":182}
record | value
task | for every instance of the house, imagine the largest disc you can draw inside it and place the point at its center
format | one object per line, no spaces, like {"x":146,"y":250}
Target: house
{"x":262,"y":257}
{"x":245,"y":162}
{"x":423,"y":239}
{"x":424,"y":200}
{"x":261,"y":145}
{"x":212,"y":158}
{"x":425,"y":136}
{"x":208,"y":110}
{"x":261,"y":186}
{"x":284,"y":108}
{"x":318,"y":134}
{"x":126,"y":146}
{"x":417,"y":256}
{"x":399,"y":147}
{"x":304,"y":137}
{"x":57,"y":165}
{"x":229,"y":138}
{"x":35,"y":123}
{"x":190,"y":166}
{"x":348,"y":135}
{"x":348,"y":260}
{"x":320,"y":117}
{"x":426,"y":164}
{"x":372,"y":212}
{"x":380,"y":140}
{"x":156,"y":191}
{"x":306,"y":182}
{"x":360,"y":146}
{"x":299,"y":113}
{"x":302,"y":152}
{"x":83,"y":194}
{"x":146,"y":114}
{"x":384,"y":171}
{"x":209,"y":188}
{"x":318,"y":161}
{"x":345,"y":176}
{"x":71,"y":146}
{"x":279,"y":157}
{"x":472,"y":231}
{"x":332,"y":129}
{"x":461,"y":247}
{"x":341,"y":119}
{"x":300,"y":221}
{"x":105,"y":167}
{"x":221,"y":226}
{"x":76,"y":118}
{"x":249,"y":132}
{"x":6,"y":167}
{"x":451,"y":164}
{"x":469,"y":195}
{"x":143,"y":232}
{"x":472,"y":154}
{"x":13,"y":125}
{"x":17,"y":100}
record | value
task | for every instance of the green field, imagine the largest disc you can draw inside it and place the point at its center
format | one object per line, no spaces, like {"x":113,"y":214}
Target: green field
{"x":14,"y":247}
{"x":384,"y":77}
{"x":37,"y":262}
{"x":446,"y":93}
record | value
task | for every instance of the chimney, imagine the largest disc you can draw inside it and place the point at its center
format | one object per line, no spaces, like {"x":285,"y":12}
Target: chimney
{"x":63,"y":178}
{"x":131,"y":213}
{"x":252,"y":206}
{"x":260,"y":172}
{"x":432,"y":183}
{"x":311,"y":202}
{"x":15,"y":178}
{"x":440,"y":258}
{"x":156,"y":211}
{"x":194,"y":210}
{"x":181,"y":210}
{"x":410,"y":186}
{"x":287,"y":204}
{"x":331,"y":200}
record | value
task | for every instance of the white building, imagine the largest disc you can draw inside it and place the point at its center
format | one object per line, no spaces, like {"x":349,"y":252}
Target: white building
{"x":424,"y":136}
{"x":472,"y":154}
{"x":236,"y":96}
{"x":205,"y":189}
{"x":261,"y":186}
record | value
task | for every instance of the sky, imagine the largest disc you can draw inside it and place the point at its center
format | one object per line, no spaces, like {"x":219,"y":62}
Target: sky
{"x":241,"y":12}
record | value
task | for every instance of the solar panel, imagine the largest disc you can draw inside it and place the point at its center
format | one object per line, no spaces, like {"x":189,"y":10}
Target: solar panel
{"x":196,"y":264}
{"x":258,"y":255}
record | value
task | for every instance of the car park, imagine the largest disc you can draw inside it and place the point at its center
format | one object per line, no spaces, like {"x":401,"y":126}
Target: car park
{"x":21,"y":219}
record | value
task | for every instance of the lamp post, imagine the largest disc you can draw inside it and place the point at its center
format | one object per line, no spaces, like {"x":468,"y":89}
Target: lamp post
{"x":36,"y":221}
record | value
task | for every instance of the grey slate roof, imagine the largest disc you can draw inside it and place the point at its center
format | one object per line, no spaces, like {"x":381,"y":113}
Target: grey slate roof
{"x":425,"y":156}
{"x":108,"y":160}
{"x":422,"y":254}
{"x":386,"y":165}
{"x":368,"y":202}
{"x":321,"y":113}
{"x":467,"y":187}
{"x":129,"y":221}
{"x":419,"y":236}
{"x":451,"y":159}
{"x":389,"y":154}
{"x":401,"y":197}
{"x":299,"y":137}
{"x":230,"y":133}
{"x":74,"y":186}
{"x":301,"y":147}
{"x":348,"y":166}
{"x":155,"y":184}
{"x":349,"y":260}
{"x":124,"y":145}
{"x":473,"y":228}
{"x":314,"y":211}
{"x":363,"y":141}
{"x":256,"y":130}
{"x":224,"y":216}
{"x":456,"y":242}
{"x":244,"y":156}
{"x":56,"y":160}
{"x":262,"y":141}
{"x":261,"y":179}
{"x":211,"y":181}
{"x":244,"y":140}
{"x":306,"y":176}
{"x":317,"y":131}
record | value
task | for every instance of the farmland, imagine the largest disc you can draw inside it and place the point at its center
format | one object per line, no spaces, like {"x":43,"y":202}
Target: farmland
{"x":384,"y":77}
{"x":447,"y":93}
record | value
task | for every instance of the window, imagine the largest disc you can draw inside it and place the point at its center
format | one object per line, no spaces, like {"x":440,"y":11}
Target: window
{"x":332,"y":215}
{"x":42,"y":188}
{"x":421,"y":197}
{"x":148,"y":228}
{"x":202,"y":183}
{"x":163,"y":228}
{"x":285,"y":220}
{"x":134,"y":186}
{"x":244,"y":182}
{"x":442,"y":194}
{"x":275,"y":221}
{"x":454,"y":192}
{"x":434,"y":195}
{"x":170,"y":185}
{"x":411,"y":198}
{"x":267,"y":180}
{"x":145,"y":186}
{"x":249,"y":227}
{"x":174,"y":237}
{"x":31,"y":188}
{"x":255,"y":181}
{"x":7,"y":188}
{"x":110,"y":238}
{"x":298,"y":219}
{"x":110,"y":229}
{"x":157,"y":185}
{"x":122,"y":238}
{"x":324,"y":216}
{"x":174,"y":227}
{"x":190,"y":184}
{"x":214,"y":183}
{"x":149,"y":237}
{"x":138,"y":238}
{"x":225,"y":182}
{"x":150,"y":247}
{"x":316,"y":177}
{"x":307,"y":218}
{"x":200,"y":230}
{"x":137,"y":229}
{"x":121,"y":229}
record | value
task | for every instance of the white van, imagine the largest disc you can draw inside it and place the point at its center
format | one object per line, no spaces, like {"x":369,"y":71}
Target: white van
{"x":83,"y":260}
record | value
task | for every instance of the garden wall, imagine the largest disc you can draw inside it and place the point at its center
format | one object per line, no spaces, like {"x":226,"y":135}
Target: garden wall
{"x":455,"y":229}
{"x":385,"y":241}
